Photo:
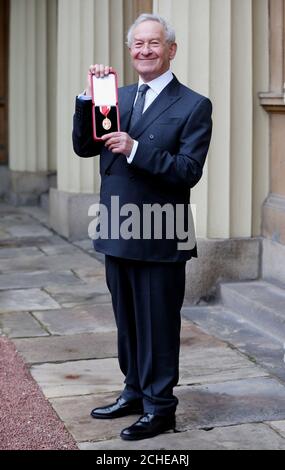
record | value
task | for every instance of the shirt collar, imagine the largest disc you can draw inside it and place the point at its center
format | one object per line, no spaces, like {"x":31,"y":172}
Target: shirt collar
{"x":159,"y":83}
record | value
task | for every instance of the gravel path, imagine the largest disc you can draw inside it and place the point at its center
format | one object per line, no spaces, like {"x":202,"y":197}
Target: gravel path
{"x":27,"y":420}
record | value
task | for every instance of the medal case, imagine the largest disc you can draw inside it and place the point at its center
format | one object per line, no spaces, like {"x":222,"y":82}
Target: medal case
{"x":105,"y":109}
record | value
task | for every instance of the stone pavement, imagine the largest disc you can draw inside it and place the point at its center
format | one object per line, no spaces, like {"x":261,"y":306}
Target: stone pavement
{"x":56,"y":308}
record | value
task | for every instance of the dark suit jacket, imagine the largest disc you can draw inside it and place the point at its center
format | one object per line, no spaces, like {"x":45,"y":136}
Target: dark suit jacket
{"x":174,"y":135}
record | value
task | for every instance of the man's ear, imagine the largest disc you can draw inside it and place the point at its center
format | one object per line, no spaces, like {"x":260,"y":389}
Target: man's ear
{"x":172,"y":50}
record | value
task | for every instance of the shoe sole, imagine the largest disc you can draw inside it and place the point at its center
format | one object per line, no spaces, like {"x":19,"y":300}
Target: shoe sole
{"x":130,"y":438}
{"x":99,"y":416}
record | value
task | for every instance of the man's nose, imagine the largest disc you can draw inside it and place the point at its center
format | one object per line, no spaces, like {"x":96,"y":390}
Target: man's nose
{"x":146,"y":50}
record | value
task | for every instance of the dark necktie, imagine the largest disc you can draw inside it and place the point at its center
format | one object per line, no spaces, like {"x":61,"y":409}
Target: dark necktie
{"x":139,"y":105}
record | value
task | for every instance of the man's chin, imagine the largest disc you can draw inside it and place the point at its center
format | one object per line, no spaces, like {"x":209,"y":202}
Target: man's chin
{"x":147,"y":69}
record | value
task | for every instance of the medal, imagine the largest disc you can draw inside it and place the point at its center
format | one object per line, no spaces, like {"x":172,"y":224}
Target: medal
{"x":107,"y":124}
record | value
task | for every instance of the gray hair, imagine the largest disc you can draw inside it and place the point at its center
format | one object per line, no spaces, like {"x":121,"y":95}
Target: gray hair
{"x":169,"y":31}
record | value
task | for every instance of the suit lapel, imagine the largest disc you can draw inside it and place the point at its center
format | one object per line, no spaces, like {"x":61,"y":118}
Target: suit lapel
{"x":126,"y":102}
{"x":165,"y":100}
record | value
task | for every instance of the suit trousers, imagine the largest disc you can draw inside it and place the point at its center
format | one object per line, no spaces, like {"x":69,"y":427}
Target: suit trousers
{"x":147,"y":298}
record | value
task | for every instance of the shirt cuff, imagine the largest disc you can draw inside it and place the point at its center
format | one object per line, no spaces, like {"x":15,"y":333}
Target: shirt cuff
{"x":134,"y":150}
{"x":84,"y":97}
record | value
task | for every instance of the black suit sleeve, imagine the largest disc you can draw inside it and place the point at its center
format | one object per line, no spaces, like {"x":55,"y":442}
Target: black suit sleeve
{"x":82,"y":136}
{"x":186,"y":167}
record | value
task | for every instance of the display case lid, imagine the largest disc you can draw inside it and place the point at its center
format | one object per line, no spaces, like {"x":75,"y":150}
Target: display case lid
{"x":104,"y":90}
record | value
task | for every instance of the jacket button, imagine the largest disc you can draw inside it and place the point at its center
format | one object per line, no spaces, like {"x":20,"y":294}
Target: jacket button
{"x":108,"y":173}
{"x":151,"y":136}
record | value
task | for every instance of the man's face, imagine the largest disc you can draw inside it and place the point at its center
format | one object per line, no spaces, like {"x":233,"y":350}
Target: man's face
{"x":151,"y":54}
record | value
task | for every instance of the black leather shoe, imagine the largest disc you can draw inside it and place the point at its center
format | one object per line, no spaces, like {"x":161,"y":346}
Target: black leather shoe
{"x":119,"y":409}
{"x":148,"y":426}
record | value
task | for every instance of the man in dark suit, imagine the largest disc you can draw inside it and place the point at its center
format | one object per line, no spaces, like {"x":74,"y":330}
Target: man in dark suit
{"x":155,"y":160}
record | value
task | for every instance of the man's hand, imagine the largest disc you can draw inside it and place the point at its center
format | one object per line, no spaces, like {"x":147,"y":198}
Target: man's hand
{"x":119,"y":142}
{"x":100,"y":71}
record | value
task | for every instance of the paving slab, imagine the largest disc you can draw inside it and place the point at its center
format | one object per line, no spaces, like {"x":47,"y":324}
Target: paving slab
{"x":75,"y":413}
{"x":30,"y":230}
{"x":230,"y":403}
{"x":25,"y":299}
{"x":201,"y":364}
{"x":37,"y":279}
{"x":86,"y":245}
{"x":54,"y":240}
{"x":24,"y":263}
{"x":243,"y":437}
{"x":278,"y":426}
{"x":23,"y":225}
{"x":78,"y":377}
{"x":7,"y":209}
{"x":99,"y":318}
{"x":27,"y":242}
{"x":192,"y":336}
{"x":14,"y":217}
{"x":10,"y":253}
{"x":96,"y":285}
{"x":62,"y":249}
{"x":20,"y":325}
{"x":92,"y":275}
{"x":47,"y":263}
{"x":37,"y":213}
{"x":67,"y":348}
{"x":4,"y":234}
{"x":103,"y":315}
{"x":97,"y":282}
{"x":84,"y":319}
{"x":70,"y":296}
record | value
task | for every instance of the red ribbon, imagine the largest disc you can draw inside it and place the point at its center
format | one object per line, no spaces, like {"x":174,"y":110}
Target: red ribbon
{"x":105,"y":110}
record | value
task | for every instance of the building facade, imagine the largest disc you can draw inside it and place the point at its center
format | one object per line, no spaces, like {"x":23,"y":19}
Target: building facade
{"x":232,"y":51}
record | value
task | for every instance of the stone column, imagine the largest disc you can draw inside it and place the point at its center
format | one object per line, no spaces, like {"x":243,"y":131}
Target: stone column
{"x":273,"y":101}
{"x":192,"y":67}
{"x":132,"y":9}
{"x":261,"y":156}
{"x":215,"y":58}
{"x":28,"y":106}
{"x":88,"y":32}
{"x":52,"y":83}
{"x":216,"y":40}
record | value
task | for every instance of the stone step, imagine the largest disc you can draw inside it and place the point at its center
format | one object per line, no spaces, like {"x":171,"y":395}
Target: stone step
{"x":259,"y":302}
{"x":226,"y":325}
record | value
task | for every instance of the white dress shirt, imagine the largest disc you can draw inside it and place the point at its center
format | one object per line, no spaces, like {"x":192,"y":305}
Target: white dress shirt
{"x":155,"y":88}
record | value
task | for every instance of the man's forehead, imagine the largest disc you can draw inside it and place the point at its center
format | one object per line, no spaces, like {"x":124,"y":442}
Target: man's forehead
{"x":149,"y":29}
